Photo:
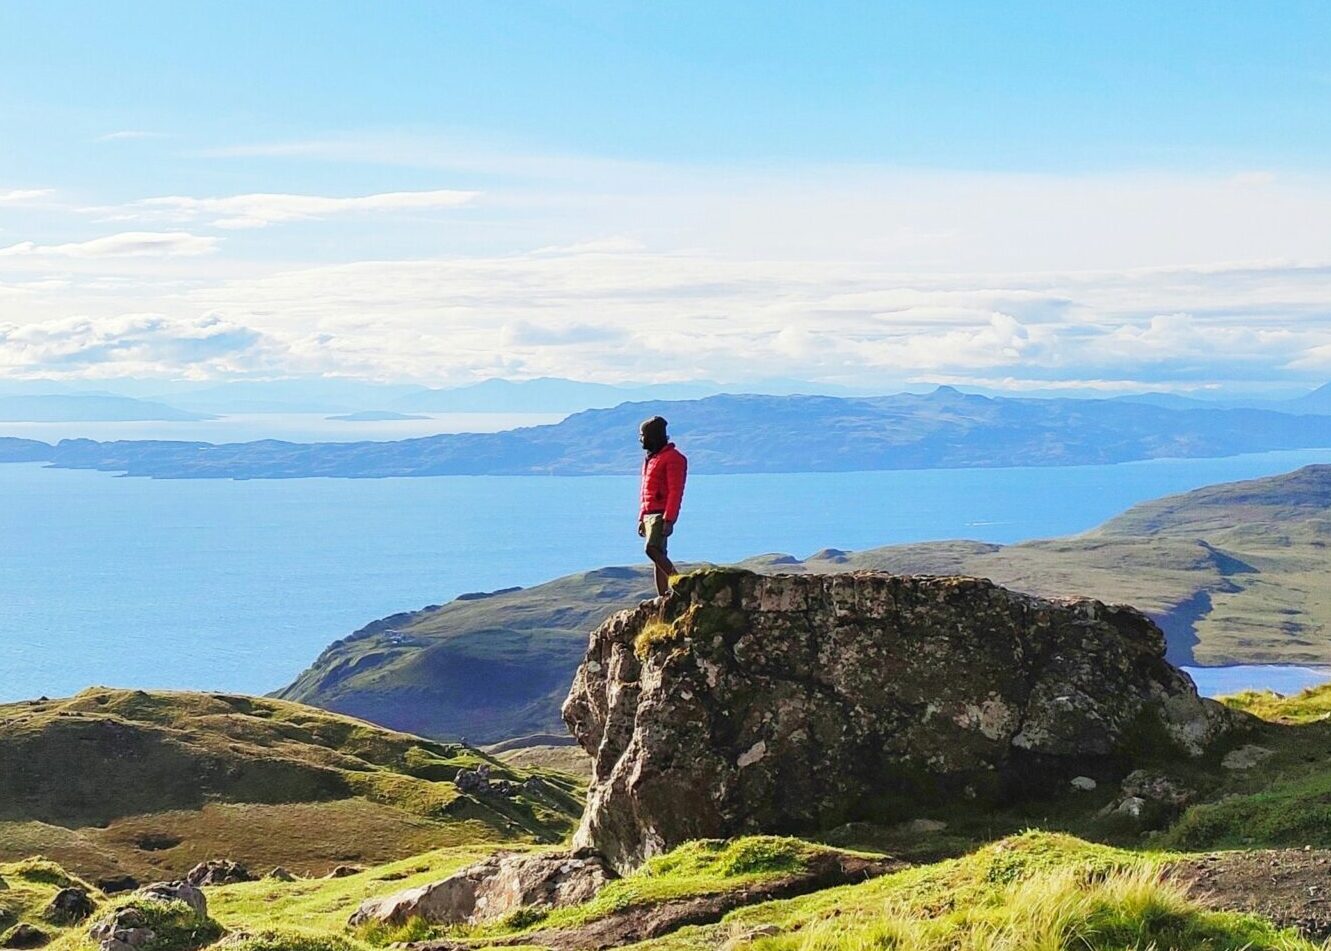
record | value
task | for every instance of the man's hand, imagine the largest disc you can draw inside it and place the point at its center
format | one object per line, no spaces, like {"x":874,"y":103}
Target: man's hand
{"x":669,"y":527}
{"x":642,"y":528}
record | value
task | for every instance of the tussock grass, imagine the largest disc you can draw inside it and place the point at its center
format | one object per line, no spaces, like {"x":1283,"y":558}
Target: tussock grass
{"x":654,"y":632}
{"x":1054,"y":910}
{"x":292,"y":939}
{"x":42,"y":871}
{"x":1310,"y":706}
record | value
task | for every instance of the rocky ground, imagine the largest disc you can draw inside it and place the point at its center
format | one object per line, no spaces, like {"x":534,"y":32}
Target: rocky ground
{"x":1291,"y":887}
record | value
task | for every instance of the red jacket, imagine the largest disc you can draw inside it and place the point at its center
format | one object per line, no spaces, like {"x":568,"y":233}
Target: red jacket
{"x":663,"y":475}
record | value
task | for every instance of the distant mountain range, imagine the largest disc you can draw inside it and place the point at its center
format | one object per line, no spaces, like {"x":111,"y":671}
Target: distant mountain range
{"x":1316,"y":402}
{"x":545,"y":395}
{"x":1234,"y":573}
{"x":729,"y":434}
{"x":90,"y":407}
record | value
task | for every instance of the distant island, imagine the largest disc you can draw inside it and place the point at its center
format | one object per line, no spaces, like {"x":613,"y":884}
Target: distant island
{"x":741,"y":433}
{"x":374,"y":416}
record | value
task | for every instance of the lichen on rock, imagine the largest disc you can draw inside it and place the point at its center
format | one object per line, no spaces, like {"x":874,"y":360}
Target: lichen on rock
{"x":792,"y":703}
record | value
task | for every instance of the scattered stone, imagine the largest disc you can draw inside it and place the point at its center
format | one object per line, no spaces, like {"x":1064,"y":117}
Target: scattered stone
{"x":922,"y":826}
{"x":478,"y":782}
{"x":345,"y":871}
{"x":742,"y":939}
{"x":1246,"y":757}
{"x":281,"y":875}
{"x":24,"y":935}
{"x":68,"y":906}
{"x":1132,"y":807}
{"x":1083,"y":783}
{"x":177,"y":891}
{"x":1157,"y":788}
{"x":493,"y":888}
{"x":218,"y":872}
{"x":802,"y":697}
{"x":124,"y":930}
{"x":116,"y":884}
{"x":4,"y":885}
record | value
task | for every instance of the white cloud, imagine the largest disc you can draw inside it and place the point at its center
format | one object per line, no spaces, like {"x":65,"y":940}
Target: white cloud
{"x":127,"y":244}
{"x":856,"y":275}
{"x":128,"y":344}
{"x":262,"y":209}
{"x":131,"y":134}
{"x":22,"y":196}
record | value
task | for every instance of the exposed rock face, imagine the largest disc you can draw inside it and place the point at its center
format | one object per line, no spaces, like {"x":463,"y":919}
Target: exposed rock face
{"x":69,"y":905}
{"x":218,"y":872}
{"x":745,"y":703}
{"x":177,"y":891}
{"x":491,"y":889}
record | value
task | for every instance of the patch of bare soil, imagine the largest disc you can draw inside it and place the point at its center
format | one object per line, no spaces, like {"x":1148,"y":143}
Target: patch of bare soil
{"x":639,"y":924}
{"x":1292,"y":887}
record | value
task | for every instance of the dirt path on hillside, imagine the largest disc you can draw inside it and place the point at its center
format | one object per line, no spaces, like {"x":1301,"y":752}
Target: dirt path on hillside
{"x":1292,"y":887}
{"x":641,"y":923}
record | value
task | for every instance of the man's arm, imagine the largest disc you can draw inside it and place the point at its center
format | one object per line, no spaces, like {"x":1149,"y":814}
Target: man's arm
{"x":677,"y":473}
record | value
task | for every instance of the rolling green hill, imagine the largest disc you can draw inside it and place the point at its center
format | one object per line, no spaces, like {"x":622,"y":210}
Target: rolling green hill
{"x":1234,"y":574}
{"x":148,"y":784}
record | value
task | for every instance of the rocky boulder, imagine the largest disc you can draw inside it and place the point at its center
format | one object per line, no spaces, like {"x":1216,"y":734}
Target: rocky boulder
{"x":177,"y":891}
{"x":491,"y":889}
{"x":218,"y":872}
{"x":790,"y":703}
{"x":129,"y":927}
{"x":68,"y":906}
{"x":23,"y":936}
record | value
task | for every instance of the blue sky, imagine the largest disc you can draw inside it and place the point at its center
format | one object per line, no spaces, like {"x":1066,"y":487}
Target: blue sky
{"x":1015,"y":195}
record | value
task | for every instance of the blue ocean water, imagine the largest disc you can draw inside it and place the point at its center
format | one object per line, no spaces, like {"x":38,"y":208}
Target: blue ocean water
{"x":225,"y":585}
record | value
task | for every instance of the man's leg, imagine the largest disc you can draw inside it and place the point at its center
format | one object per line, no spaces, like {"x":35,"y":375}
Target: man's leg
{"x":665,"y":569}
{"x":656,"y":551}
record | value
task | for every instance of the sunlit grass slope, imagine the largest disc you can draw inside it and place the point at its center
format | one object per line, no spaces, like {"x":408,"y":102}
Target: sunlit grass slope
{"x":118,"y":781}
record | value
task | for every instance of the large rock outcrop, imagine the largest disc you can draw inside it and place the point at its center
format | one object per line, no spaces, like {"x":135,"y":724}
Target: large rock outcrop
{"x":788,"y":703}
{"x":493,"y":888}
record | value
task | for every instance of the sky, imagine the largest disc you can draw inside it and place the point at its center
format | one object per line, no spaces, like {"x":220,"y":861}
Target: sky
{"x":1020,"y":196}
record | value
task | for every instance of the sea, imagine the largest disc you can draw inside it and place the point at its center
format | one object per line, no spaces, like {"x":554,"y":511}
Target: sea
{"x":238,"y":585}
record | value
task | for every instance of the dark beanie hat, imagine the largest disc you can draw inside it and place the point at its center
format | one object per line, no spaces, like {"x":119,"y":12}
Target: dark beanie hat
{"x":655,"y":426}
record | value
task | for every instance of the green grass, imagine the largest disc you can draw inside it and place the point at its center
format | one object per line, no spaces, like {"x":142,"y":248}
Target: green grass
{"x":1310,"y":706}
{"x":292,"y":939}
{"x":654,"y":633}
{"x":323,"y":905}
{"x":265,"y":782}
{"x":175,"y":924}
{"x":1050,"y":911}
{"x":1286,"y":799}
{"x":1032,"y":892}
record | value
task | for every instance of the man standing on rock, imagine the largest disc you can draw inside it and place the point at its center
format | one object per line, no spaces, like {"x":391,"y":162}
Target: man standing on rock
{"x":663,"y":474}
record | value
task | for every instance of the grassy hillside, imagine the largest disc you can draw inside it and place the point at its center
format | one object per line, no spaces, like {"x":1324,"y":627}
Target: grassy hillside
{"x":482,"y":667}
{"x":148,"y":784}
{"x":1027,"y":878}
{"x":1233,"y":573}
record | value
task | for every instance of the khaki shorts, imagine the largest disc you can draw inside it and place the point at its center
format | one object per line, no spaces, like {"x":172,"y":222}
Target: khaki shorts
{"x":654,"y":530}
